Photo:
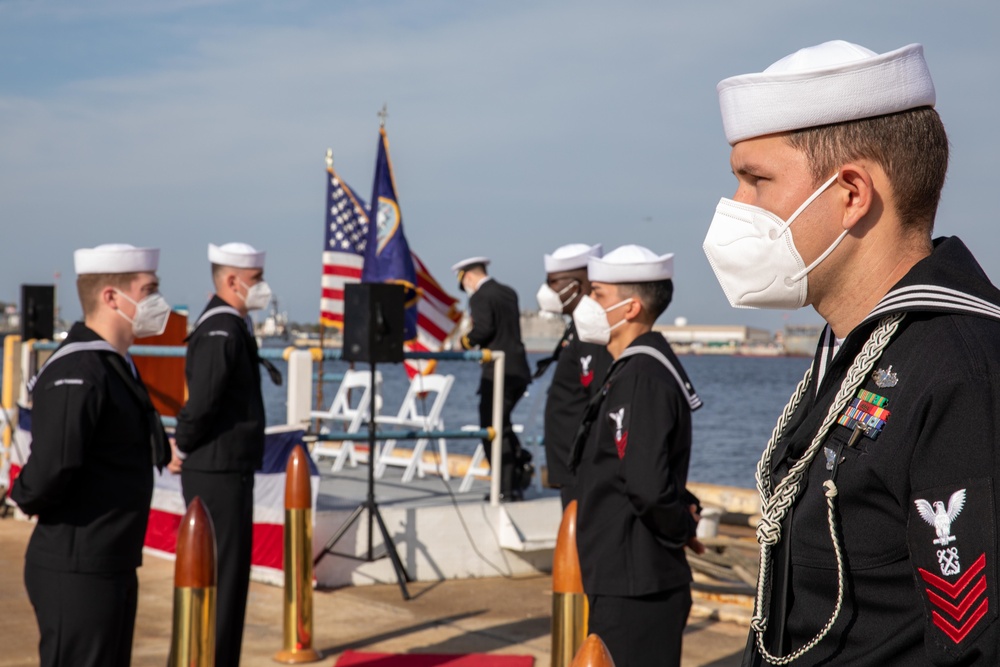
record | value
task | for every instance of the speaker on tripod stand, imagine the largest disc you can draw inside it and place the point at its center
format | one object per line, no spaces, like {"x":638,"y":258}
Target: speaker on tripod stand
{"x":373,"y":333}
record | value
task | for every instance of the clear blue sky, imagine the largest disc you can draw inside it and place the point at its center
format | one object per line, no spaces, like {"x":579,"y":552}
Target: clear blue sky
{"x":514,"y":127}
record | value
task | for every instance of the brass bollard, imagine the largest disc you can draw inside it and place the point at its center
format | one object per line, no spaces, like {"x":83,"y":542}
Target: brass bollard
{"x":298,"y":622}
{"x":569,"y":603}
{"x":193,"y":643}
{"x":593,"y":653}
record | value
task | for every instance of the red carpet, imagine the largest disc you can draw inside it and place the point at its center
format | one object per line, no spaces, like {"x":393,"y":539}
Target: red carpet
{"x":359,"y":659}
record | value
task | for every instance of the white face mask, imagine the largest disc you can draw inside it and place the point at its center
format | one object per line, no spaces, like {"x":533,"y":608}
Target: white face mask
{"x":258,"y":296}
{"x":551,"y":301}
{"x":151,"y":315}
{"x":591,"y":321}
{"x":754,"y":258}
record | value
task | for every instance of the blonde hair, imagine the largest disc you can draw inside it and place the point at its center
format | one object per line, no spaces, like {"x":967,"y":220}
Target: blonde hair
{"x":89,"y":286}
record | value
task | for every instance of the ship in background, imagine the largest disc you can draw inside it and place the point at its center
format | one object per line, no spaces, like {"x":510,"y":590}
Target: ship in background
{"x":275,"y":325}
{"x":800,"y":340}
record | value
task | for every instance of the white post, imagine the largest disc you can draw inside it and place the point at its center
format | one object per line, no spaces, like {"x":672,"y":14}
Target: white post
{"x":496,"y":454}
{"x":29,"y":364}
{"x":299,"y":398}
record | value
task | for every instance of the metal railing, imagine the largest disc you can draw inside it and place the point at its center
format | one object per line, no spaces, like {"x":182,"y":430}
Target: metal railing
{"x":334,"y":354}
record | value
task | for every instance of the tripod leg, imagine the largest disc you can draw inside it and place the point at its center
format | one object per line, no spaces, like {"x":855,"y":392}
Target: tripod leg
{"x":401,"y":575}
{"x":328,"y":547}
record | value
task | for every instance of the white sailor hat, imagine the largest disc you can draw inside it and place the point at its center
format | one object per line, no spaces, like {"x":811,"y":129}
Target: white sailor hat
{"x":830,"y":83}
{"x":116,"y":258}
{"x":572,"y":256}
{"x":466,"y":263}
{"x":239,"y":255}
{"x":631,"y":264}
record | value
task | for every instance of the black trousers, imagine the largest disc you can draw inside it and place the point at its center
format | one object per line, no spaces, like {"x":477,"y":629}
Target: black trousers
{"x":513,"y":390}
{"x":228,"y":497}
{"x":642,"y":631}
{"x":85,"y":619}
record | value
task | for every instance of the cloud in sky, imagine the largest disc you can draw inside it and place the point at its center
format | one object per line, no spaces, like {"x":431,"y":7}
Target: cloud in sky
{"x":514,"y":127}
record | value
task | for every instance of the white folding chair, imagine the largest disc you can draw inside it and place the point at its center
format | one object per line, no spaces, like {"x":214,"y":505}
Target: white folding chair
{"x":475,"y":468}
{"x":411,"y":416}
{"x":356,"y":385}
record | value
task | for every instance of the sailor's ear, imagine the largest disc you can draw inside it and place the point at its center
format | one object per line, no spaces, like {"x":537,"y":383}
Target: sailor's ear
{"x":633,"y":308}
{"x":857,"y":192}
{"x":109,"y":297}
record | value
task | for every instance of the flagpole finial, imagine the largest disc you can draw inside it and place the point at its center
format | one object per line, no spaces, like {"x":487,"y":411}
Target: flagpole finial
{"x":383,"y":114}
{"x":329,"y":158}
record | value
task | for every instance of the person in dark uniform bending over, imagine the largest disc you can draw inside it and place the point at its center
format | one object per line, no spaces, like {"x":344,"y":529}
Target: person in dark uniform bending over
{"x":880,"y":485}
{"x":220,"y":430}
{"x":579,"y":366}
{"x":631,"y":460}
{"x":89,"y":479}
{"x":496,"y":325}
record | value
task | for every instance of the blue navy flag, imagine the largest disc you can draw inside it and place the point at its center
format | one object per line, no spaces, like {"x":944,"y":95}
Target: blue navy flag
{"x":387,"y":254}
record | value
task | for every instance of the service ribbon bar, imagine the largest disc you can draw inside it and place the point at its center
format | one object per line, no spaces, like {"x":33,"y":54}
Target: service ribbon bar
{"x":868,"y":411}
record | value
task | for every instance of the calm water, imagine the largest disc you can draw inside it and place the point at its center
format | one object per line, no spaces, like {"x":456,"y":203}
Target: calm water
{"x":742,"y":396}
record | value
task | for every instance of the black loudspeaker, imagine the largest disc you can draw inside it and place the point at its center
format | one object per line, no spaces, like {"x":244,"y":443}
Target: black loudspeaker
{"x":38,"y":311}
{"x":373,"y":322}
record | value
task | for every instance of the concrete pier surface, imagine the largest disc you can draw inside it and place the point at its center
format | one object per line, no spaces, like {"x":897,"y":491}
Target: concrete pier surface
{"x":492,"y":615}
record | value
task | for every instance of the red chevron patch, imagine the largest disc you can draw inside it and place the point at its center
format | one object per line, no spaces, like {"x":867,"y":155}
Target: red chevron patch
{"x":958,"y":611}
{"x":960,"y":607}
{"x":954,"y":589}
{"x":959,"y":633}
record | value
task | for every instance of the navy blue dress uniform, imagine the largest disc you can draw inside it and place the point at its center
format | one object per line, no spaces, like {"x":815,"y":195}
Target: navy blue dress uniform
{"x":496,"y":325}
{"x":95,"y":440}
{"x":879,"y":484}
{"x":631,"y":460}
{"x":579,"y":369}
{"x":220,"y":435}
{"x":917,"y":488}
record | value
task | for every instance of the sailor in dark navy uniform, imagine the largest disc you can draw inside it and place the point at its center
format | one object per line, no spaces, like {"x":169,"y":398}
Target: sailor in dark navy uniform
{"x":496,"y":325}
{"x":631,"y":459}
{"x":220,"y":430}
{"x":579,"y":366}
{"x":89,"y":479}
{"x":880,"y":486}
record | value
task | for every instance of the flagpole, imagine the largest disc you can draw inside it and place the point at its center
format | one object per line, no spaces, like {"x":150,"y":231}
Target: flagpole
{"x":322,"y":327}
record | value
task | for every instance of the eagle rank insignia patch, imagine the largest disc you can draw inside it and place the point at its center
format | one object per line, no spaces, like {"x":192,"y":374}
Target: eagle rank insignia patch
{"x":951,"y":542}
{"x":586,"y":372}
{"x":617,"y":418}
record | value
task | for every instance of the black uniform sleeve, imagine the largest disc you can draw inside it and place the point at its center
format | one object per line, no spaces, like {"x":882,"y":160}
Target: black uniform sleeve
{"x":483,"y":325}
{"x":952,"y":527}
{"x":210,"y":360}
{"x":64,"y":418}
{"x":657,"y":430}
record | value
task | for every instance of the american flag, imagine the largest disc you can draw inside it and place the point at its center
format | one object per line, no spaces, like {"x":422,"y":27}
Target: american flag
{"x":343,"y":259}
{"x":437,"y":318}
{"x":344,"y":249}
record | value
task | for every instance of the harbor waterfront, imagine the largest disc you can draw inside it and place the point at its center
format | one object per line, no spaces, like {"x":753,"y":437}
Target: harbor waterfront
{"x":742,"y":396}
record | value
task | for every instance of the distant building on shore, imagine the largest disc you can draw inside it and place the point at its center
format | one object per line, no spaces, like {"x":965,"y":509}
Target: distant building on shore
{"x":541,"y":331}
{"x":719,"y":339}
{"x":10,"y":318}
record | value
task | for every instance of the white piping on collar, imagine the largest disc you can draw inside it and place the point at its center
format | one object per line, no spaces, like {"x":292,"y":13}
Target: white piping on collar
{"x":934,"y":296}
{"x":689,"y":393}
